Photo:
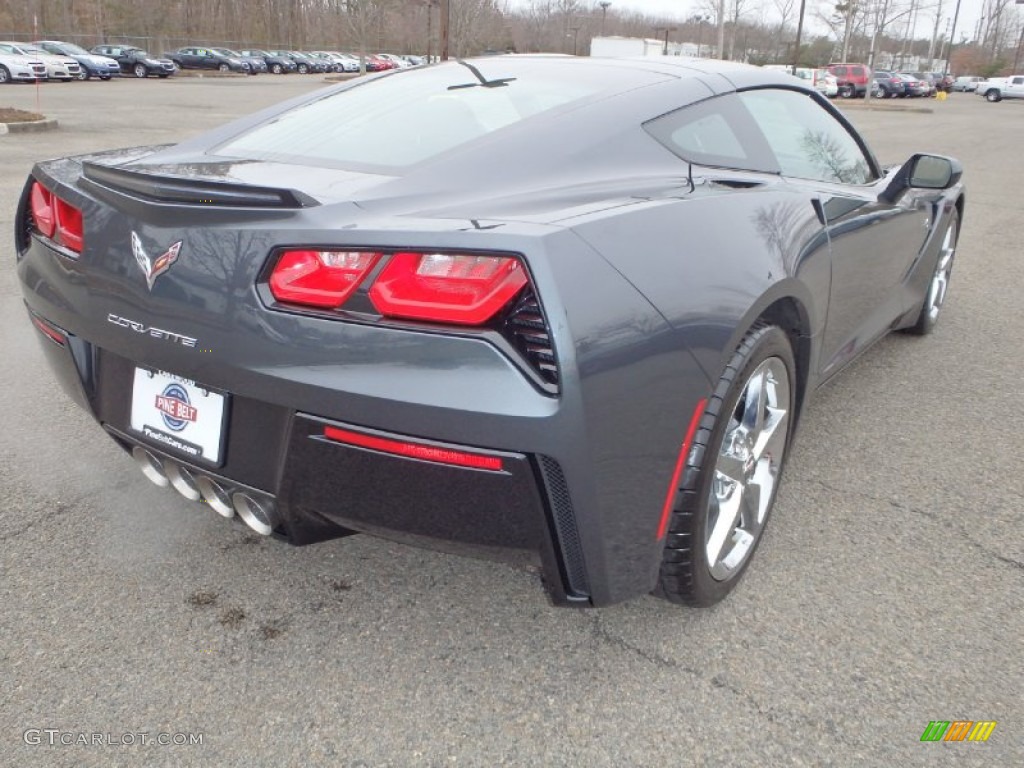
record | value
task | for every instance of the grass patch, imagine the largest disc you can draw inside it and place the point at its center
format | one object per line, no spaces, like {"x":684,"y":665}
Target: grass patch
{"x":12,"y":115}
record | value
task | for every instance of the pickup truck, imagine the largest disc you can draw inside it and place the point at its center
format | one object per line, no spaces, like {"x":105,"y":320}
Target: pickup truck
{"x":999,"y":88}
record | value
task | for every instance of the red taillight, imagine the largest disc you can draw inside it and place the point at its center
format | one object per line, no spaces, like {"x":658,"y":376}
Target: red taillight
{"x":51,"y":331}
{"x":69,"y":225}
{"x":42,"y":209}
{"x":444,"y":287}
{"x":319,"y":278}
{"x":56,"y":218}
{"x":415,"y":450}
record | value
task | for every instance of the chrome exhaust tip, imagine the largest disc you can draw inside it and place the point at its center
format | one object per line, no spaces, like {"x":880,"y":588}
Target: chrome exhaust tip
{"x":151,"y":466}
{"x":216,"y":495}
{"x":258,"y":514}
{"x":183,"y":481}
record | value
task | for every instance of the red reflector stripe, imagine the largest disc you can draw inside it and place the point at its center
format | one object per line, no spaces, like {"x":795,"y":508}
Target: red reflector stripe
{"x":51,"y":332}
{"x":666,"y":511}
{"x":415,"y":450}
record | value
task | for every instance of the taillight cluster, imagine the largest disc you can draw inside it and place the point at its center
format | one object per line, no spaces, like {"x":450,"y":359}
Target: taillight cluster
{"x":460,"y":288}
{"x":56,"y":218}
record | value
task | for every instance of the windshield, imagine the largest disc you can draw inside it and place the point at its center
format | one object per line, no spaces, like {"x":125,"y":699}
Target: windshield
{"x":226,"y":52}
{"x":32,"y":49}
{"x":404,"y":119}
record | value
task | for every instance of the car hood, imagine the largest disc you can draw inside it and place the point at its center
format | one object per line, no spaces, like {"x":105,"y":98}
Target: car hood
{"x":51,"y":59}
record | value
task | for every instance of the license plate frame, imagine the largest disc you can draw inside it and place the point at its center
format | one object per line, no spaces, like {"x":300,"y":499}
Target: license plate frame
{"x":180,"y":416}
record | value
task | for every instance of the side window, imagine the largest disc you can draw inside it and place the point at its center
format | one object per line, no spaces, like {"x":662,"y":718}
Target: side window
{"x":717,"y":132}
{"x":807,"y":141}
{"x":839,"y":71}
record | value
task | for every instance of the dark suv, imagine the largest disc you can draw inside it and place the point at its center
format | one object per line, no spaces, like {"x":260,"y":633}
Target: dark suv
{"x":852,"y":79}
{"x":888,"y":85}
{"x":135,"y":61}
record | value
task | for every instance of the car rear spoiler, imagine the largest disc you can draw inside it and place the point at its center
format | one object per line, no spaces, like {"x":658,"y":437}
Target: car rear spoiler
{"x":191,"y":191}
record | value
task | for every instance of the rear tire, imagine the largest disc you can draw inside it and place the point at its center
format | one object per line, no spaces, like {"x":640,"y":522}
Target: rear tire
{"x":224,"y":68}
{"x":938,"y":287}
{"x":993,"y":96}
{"x":276,"y":69}
{"x":846,"y":91}
{"x":732,"y":472}
{"x":5,"y":75}
{"x":83,"y":74}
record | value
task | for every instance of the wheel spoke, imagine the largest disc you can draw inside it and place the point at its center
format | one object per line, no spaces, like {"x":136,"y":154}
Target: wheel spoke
{"x":753,"y":405}
{"x":725,"y":524}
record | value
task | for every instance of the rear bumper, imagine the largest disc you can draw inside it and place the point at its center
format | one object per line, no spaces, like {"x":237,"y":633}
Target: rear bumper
{"x":518,"y":511}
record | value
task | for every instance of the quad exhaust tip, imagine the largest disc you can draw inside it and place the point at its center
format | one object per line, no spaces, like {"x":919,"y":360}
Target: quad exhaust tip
{"x":151,"y":466}
{"x":216,"y":495}
{"x":257,"y":511}
{"x":258,"y":514}
{"x":183,"y":481}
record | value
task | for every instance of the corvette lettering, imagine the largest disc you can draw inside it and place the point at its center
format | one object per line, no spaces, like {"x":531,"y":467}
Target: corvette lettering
{"x":156,"y":333}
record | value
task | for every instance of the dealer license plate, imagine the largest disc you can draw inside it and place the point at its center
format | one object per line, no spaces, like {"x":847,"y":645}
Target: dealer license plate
{"x":178,"y":414}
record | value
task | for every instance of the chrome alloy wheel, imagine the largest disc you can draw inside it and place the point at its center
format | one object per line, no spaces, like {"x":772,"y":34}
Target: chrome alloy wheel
{"x":747,"y":468}
{"x":943,"y":269}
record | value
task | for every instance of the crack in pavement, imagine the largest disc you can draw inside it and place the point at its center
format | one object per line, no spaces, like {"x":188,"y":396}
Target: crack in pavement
{"x":923,"y":513}
{"x":601,"y":634}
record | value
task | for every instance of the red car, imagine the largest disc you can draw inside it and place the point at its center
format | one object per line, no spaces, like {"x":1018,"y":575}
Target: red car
{"x":852,"y":79}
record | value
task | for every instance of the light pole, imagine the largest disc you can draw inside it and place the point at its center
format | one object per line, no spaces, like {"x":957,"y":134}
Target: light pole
{"x":952,"y":37}
{"x":604,"y":12}
{"x":700,"y":19}
{"x":575,"y":37}
{"x":799,"y":34}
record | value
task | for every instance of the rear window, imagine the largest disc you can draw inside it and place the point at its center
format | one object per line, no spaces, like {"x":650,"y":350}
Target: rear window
{"x":409,"y":117}
{"x":857,"y":71}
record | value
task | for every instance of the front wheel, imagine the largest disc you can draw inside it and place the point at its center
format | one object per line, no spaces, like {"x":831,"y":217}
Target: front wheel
{"x":939,"y":285}
{"x":5,"y":75}
{"x":83,"y":74}
{"x":140,"y":70}
{"x":276,"y":69}
{"x":731,"y":473}
{"x":224,"y":68}
{"x":303,"y":69}
{"x":846,"y":91}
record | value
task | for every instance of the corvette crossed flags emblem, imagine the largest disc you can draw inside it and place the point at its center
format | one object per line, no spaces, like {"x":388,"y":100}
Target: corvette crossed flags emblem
{"x":153,"y":269}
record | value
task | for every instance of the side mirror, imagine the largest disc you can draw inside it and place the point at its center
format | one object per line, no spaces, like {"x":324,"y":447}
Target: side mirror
{"x":923,"y":172}
{"x":934,"y":172}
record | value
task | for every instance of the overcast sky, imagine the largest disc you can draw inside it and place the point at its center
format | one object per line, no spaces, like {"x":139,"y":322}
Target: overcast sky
{"x":970,"y":11}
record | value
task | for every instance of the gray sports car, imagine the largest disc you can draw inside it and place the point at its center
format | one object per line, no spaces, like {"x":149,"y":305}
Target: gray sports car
{"x":552,"y":308}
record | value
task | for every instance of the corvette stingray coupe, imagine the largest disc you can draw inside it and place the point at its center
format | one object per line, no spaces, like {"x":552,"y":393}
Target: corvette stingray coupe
{"x":557,"y":309}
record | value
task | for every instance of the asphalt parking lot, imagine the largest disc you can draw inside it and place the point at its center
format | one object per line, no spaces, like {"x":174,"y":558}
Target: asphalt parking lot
{"x":888,"y":592}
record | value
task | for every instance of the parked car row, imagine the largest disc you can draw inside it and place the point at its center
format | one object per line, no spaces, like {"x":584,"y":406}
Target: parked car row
{"x":894,"y":85}
{"x":853,"y":81}
{"x":279,"y":62}
{"x":62,"y":61}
